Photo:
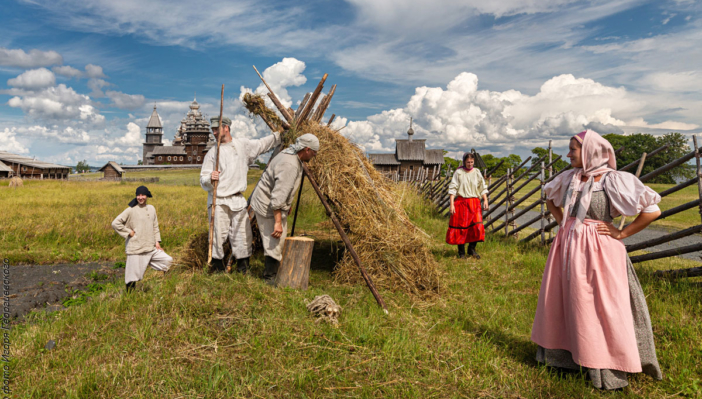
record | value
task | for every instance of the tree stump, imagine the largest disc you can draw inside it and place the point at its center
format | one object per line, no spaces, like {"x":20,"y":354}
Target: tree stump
{"x":294,"y":270}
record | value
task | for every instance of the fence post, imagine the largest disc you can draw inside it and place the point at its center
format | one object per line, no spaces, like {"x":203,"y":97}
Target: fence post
{"x":699,"y":177}
{"x":543,"y":219}
{"x":508,"y":201}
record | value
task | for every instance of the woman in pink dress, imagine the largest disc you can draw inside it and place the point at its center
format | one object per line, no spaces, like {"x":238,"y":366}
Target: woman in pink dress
{"x":592,"y":311}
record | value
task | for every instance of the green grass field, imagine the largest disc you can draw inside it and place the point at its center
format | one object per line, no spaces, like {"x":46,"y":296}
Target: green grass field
{"x":193,"y":335}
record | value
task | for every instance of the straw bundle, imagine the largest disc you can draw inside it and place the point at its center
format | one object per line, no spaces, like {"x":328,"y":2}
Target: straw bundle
{"x":394,"y":251}
{"x":16,"y":182}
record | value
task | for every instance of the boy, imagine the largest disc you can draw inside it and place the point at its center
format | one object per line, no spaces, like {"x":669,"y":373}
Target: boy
{"x":139,"y":226}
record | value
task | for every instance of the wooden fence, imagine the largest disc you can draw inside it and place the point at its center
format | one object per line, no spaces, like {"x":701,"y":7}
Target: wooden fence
{"x":505,"y":208}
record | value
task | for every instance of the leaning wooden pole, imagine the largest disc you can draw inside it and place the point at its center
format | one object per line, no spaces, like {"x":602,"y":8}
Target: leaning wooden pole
{"x":345,"y":238}
{"x":214,"y":189}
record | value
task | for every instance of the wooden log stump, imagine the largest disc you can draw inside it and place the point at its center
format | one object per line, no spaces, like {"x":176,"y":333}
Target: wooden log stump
{"x":294,"y":270}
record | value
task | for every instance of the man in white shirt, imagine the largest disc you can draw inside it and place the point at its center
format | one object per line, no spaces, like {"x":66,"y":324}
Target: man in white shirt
{"x":231,"y":217}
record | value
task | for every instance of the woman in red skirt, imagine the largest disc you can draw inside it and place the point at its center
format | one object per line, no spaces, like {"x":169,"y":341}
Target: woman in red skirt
{"x":466,"y":224}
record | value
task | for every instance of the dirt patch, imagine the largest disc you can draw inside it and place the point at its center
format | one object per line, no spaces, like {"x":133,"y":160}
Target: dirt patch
{"x":45,"y":286}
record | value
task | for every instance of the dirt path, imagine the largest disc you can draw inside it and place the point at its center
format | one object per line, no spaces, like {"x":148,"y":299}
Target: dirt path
{"x":645,"y":235}
{"x":45,"y":286}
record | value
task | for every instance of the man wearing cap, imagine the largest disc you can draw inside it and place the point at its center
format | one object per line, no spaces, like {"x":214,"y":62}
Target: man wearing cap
{"x":274,"y":195}
{"x":139,"y":226}
{"x":231,"y":217}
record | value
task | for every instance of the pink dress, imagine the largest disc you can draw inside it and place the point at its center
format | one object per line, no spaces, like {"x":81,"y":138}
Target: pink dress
{"x":587,"y":305}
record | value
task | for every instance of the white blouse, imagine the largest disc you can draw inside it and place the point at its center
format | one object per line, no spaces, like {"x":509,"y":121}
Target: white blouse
{"x":627,"y":194}
{"x":468,"y":184}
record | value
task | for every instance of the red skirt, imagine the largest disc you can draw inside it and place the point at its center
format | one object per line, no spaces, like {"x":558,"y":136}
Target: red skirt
{"x":466,"y":224}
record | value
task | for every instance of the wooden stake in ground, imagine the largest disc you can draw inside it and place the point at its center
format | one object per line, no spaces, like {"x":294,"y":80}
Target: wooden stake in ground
{"x":214,"y":190}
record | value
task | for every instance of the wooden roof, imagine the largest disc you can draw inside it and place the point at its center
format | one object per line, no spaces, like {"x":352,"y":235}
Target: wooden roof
{"x":154,"y":121}
{"x":410,"y":150}
{"x":434,"y":157}
{"x":114,"y":165}
{"x":383,"y":159}
{"x":5,"y":168}
{"x":10,"y":158}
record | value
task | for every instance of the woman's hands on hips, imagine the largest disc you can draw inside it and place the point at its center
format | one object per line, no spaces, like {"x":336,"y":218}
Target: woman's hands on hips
{"x":608,"y":229}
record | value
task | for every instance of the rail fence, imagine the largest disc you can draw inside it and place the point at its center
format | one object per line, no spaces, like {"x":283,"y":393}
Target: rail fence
{"x":505,"y":206}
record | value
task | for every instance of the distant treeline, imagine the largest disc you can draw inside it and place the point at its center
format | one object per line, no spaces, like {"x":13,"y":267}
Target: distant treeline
{"x":634,"y":145}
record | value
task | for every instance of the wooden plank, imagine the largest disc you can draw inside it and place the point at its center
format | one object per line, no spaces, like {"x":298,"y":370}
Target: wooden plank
{"x":667,"y":253}
{"x":666,"y":238}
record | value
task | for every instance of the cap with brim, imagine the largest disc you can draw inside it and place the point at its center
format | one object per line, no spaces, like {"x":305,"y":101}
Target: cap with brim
{"x":214,"y":122}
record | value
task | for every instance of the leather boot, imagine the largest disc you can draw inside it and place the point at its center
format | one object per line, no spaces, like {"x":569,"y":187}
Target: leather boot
{"x":471,"y":250}
{"x":242,"y":265}
{"x":216,"y":266}
{"x":270,"y":270}
{"x":130,"y":286}
{"x":462,"y":251}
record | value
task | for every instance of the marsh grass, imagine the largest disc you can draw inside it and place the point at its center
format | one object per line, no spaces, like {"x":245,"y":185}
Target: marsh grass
{"x":194,"y":335}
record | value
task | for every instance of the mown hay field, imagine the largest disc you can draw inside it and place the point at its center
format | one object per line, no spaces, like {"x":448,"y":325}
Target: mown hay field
{"x":190,"y":334}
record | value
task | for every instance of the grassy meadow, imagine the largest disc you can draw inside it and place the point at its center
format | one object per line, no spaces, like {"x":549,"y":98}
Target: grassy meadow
{"x":192,"y":335}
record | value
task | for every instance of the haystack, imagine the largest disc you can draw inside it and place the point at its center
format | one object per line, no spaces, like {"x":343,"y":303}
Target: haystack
{"x":393,"y":250}
{"x":16,"y":182}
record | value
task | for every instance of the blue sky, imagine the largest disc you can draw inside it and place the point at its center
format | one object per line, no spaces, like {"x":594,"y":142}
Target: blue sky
{"x":78,"y":79}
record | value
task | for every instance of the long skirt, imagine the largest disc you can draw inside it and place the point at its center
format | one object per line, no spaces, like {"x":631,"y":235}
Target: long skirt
{"x":591,"y":310}
{"x":466,"y":224}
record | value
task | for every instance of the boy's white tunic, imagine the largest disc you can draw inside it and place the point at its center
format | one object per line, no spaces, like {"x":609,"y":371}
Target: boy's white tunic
{"x":231,"y":218}
{"x":141,"y":249}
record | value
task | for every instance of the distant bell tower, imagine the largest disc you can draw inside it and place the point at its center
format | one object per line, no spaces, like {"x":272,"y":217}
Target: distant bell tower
{"x":154,"y":137}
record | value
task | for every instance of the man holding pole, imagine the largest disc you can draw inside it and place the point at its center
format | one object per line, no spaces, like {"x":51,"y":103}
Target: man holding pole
{"x":231,"y":218}
{"x":274,"y":196}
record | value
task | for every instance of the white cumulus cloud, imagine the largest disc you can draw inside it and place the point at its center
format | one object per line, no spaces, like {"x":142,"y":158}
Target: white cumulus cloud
{"x":59,"y":103}
{"x":9,"y":143}
{"x":125,"y":101}
{"x":33,"y":79}
{"x":34,"y":59}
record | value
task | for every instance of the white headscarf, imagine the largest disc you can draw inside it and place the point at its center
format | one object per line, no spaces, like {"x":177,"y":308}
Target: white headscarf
{"x":306,"y":140}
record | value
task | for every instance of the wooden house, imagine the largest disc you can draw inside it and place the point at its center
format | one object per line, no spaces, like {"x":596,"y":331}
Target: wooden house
{"x":5,"y":171}
{"x":30,"y":168}
{"x":411,"y":156}
{"x":112,"y":171}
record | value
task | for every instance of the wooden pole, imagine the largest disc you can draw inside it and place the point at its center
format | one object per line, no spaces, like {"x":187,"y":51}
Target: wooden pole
{"x":345,"y":238}
{"x":283,"y":111}
{"x":699,"y":176}
{"x":638,"y":173}
{"x":297,"y":206}
{"x":507,"y":201}
{"x":313,"y":99}
{"x":214,"y":189}
{"x":543,"y":216}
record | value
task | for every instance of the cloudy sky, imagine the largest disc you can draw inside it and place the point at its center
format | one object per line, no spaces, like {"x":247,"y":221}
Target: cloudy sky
{"x":79,"y":78}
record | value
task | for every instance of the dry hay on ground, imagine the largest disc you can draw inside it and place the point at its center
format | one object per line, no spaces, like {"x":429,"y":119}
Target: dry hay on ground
{"x":394,"y":251}
{"x":16,"y":182}
{"x":195,"y":255}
